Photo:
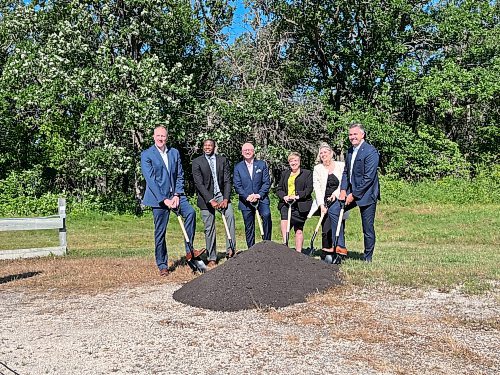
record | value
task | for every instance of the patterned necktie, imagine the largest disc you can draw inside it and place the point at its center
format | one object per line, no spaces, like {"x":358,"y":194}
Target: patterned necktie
{"x":214,"y":175}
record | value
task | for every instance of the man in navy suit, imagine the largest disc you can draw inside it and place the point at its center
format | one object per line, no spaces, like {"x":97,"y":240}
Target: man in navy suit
{"x":162,"y":169}
{"x":252,"y":183}
{"x":359,"y":187}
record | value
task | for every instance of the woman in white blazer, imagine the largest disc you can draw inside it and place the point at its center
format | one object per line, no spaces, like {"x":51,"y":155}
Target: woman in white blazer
{"x":327,"y":175}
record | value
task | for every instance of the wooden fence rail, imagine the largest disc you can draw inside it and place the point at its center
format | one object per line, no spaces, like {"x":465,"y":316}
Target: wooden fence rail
{"x":37,"y":223}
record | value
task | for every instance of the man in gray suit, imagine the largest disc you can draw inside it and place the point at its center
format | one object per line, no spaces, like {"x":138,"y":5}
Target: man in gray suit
{"x":212,"y":180}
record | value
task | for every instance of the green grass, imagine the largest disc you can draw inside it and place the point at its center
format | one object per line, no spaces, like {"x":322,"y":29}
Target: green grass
{"x":421,"y":245}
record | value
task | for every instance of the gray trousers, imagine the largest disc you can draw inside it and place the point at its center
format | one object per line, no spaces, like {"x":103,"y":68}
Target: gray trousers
{"x":208,"y":217}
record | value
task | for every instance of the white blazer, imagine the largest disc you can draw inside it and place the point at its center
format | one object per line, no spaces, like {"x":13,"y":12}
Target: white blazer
{"x":320,"y":178}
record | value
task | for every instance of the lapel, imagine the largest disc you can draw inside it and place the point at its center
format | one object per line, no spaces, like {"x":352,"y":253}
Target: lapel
{"x":218,"y":166}
{"x":171,"y":162}
{"x":255,"y":167}
{"x":245,"y":169}
{"x":360,"y":152}
{"x":348,"y":162}
{"x":171,"y":169}
{"x":324,"y":176}
{"x":205,"y":165}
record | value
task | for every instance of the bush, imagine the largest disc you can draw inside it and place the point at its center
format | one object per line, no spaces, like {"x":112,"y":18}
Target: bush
{"x":485,"y":188}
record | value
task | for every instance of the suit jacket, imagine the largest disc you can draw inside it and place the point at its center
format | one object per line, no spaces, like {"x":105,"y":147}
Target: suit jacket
{"x":204,"y":182}
{"x":303,"y":188}
{"x":320,"y":179}
{"x":364,"y":185}
{"x":244,"y":185}
{"x":160,"y":183}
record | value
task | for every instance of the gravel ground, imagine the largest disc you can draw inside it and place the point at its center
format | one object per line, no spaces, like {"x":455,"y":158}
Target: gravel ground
{"x":145,"y":331}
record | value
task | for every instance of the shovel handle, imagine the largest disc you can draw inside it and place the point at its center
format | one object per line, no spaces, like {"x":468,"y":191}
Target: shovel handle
{"x":316,"y":230}
{"x":181,"y":223}
{"x":226,"y":226}
{"x":339,"y":224}
{"x":319,"y":222}
{"x":259,"y":220}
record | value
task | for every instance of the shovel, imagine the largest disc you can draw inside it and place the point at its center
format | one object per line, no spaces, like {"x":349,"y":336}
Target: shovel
{"x":316,"y":233}
{"x":336,"y":258}
{"x":194,"y":264}
{"x":228,"y":234}
{"x":287,"y":237}
{"x":259,"y":219}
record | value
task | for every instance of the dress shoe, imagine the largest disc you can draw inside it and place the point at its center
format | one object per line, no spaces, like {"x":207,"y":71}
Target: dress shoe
{"x":341,"y":250}
{"x":164,"y":272}
{"x":211,"y":264}
{"x":196,"y":253}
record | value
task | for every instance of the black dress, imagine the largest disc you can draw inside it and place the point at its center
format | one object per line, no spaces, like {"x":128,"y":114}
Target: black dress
{"x":326,"y":227}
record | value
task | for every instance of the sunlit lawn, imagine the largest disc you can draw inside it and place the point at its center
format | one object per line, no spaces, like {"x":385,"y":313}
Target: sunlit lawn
{"x":421,"y":245}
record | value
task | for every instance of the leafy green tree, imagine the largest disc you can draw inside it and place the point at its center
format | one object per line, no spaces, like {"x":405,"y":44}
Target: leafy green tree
{"x":87,"y":82}
{"x":451,"y":82}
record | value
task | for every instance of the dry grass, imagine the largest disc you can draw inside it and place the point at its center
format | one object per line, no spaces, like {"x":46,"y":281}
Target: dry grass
{"x":449,"y":346}
{"x":348,"y":319}
{"x":64,"y":276}
{"x":488,"y":324}
{"x":347,"y":316}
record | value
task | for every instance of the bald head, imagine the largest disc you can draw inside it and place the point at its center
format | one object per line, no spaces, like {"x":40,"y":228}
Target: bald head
{"x":248,"y":151}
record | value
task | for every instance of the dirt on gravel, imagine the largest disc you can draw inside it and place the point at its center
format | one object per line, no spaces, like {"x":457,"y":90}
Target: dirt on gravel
{"x":267,"y":275}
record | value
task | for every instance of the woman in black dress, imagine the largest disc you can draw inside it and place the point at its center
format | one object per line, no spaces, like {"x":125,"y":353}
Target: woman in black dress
{"x":326,"y":180}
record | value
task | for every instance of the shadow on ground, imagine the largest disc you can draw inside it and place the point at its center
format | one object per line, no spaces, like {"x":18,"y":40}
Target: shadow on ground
{"x":19,"y":276}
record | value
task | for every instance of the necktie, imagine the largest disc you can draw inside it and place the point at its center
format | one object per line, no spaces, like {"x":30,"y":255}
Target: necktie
{"x":214,"y":175}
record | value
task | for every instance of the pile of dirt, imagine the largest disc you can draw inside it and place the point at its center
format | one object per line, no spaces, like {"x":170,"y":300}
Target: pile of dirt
{"x":266,"y":275}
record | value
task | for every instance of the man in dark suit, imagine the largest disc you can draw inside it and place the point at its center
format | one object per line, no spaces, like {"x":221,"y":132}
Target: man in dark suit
{"x":212,"y":180}
{"x":252,"y":183}
{"x":359,"y":187}
{"x":162,"y":169}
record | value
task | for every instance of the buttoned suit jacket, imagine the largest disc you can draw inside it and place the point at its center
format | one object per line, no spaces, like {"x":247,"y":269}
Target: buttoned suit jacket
{"x":204,"y":182}
{"x":244,"y":185}
{"x":161,"y":183}
{"x":303,"y":188}
{"x":364,"y":184}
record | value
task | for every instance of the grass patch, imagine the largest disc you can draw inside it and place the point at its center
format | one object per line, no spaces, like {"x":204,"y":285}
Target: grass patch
{"x":421,"y":245}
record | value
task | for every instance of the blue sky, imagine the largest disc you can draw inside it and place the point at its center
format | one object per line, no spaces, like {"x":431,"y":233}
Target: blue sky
{"x":239,"y":26}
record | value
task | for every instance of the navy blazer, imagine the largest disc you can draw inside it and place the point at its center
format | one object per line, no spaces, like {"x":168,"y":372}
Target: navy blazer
{"x":303,"y":188}
{"x":204,"y":182}
{"x":364,"y":186}
{"x":160,"y":183}
{"x":244,"y":185}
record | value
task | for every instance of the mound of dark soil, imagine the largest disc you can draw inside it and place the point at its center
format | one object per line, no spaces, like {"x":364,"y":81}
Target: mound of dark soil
{"x":267,"y":274}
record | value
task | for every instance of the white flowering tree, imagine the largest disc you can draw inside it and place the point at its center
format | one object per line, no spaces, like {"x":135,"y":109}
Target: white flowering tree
{"x":84,"y":83}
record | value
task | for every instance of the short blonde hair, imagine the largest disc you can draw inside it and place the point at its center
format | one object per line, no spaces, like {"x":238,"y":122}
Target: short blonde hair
{"x":293,"y":155}
{"x":328,"y":147}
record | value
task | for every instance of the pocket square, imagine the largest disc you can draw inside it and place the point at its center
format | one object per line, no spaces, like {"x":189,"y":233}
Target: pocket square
{"x":258,"y":171}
